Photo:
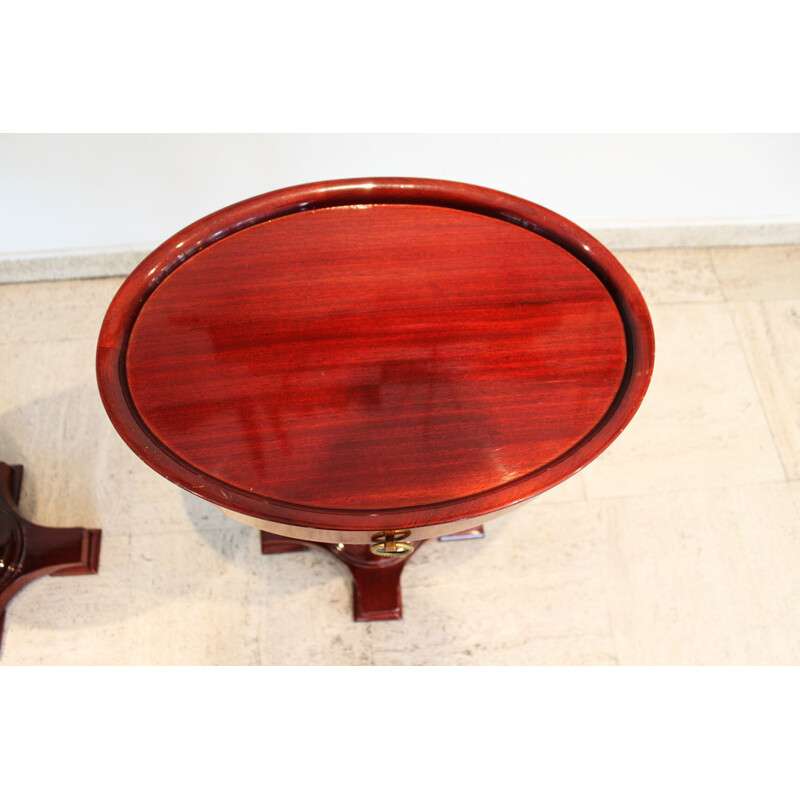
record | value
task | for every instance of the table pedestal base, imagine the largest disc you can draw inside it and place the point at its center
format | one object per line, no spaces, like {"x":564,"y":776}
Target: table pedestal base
{"x":376,"y":579}
{"x":29,"y":551}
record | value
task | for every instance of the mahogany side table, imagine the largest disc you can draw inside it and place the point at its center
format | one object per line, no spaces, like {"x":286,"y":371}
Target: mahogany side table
{"x":362,"y":365}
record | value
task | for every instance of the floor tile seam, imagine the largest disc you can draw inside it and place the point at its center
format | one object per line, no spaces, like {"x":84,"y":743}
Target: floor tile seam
{"x":719,"y":278}
{"x":756,"y":383}
{"x":760,"y":298}
{"x":555,"y":637}
{"x":543,"y":580}
{"x":74,"y":279}
{"x":49,"y":340}
{"x":722,"y":301}
{"x":700,"y":302}
{"x":693,"y":489}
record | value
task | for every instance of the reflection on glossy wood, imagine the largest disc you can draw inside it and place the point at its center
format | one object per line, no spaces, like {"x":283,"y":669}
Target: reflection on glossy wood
{"x":29,"y":551}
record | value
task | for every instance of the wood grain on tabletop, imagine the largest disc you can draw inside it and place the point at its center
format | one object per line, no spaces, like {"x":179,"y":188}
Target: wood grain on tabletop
{"x":375,"y":354}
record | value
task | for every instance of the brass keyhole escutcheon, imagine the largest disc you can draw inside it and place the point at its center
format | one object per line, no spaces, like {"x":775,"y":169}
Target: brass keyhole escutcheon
{"x":390,"y":545}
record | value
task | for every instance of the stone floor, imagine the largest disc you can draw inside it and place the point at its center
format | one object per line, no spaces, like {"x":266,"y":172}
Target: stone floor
{"x":679,"y":545}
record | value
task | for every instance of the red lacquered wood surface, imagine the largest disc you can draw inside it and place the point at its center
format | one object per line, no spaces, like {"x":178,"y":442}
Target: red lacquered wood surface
{"x":375,"y":354}
{"x":29,"y":551}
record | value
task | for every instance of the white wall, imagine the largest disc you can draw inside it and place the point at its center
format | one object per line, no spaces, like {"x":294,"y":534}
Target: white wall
{"x":96,"y":190}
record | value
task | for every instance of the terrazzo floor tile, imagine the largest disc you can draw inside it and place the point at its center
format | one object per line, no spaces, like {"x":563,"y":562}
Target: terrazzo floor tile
{"x":770,"y":336}
{"x":701,"y":423}
{"x":705,"y":577}
{"x":535,"y":582}
{"x":459,"y":626}
{"x":50,"y":423}
{"x":535,"y":544}
{"x":673,"y":275}
{"x":53,"y":423}
{"x":679,"y":545}
{"x":53,"y":311}
{"x":758,"y":273}
{"x":190,"y":600}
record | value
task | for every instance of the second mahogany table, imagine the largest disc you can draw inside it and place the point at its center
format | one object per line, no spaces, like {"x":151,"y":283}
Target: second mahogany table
{"x":365,"y":364}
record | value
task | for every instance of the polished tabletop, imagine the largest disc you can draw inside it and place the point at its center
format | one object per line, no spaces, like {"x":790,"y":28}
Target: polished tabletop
{"x":375,"y":354}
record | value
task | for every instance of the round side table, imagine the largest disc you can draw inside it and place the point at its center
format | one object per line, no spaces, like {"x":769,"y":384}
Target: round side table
{"x":363,"y":365}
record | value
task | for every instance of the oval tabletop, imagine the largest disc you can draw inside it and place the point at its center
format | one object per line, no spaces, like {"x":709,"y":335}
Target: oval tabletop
{"x":375,"y":354}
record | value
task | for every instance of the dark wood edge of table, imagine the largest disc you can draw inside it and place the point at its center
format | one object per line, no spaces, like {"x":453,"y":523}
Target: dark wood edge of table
{"x":132,"y":295}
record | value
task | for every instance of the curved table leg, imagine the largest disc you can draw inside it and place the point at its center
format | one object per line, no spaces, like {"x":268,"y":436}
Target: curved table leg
{"x":376,"y":579}
{"x":29,"y":551}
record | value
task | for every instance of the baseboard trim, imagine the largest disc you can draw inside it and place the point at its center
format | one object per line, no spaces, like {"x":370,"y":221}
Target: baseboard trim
{"x":109,"y":262}
{"x":650,"y":235}
{"x":71,"y":264}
